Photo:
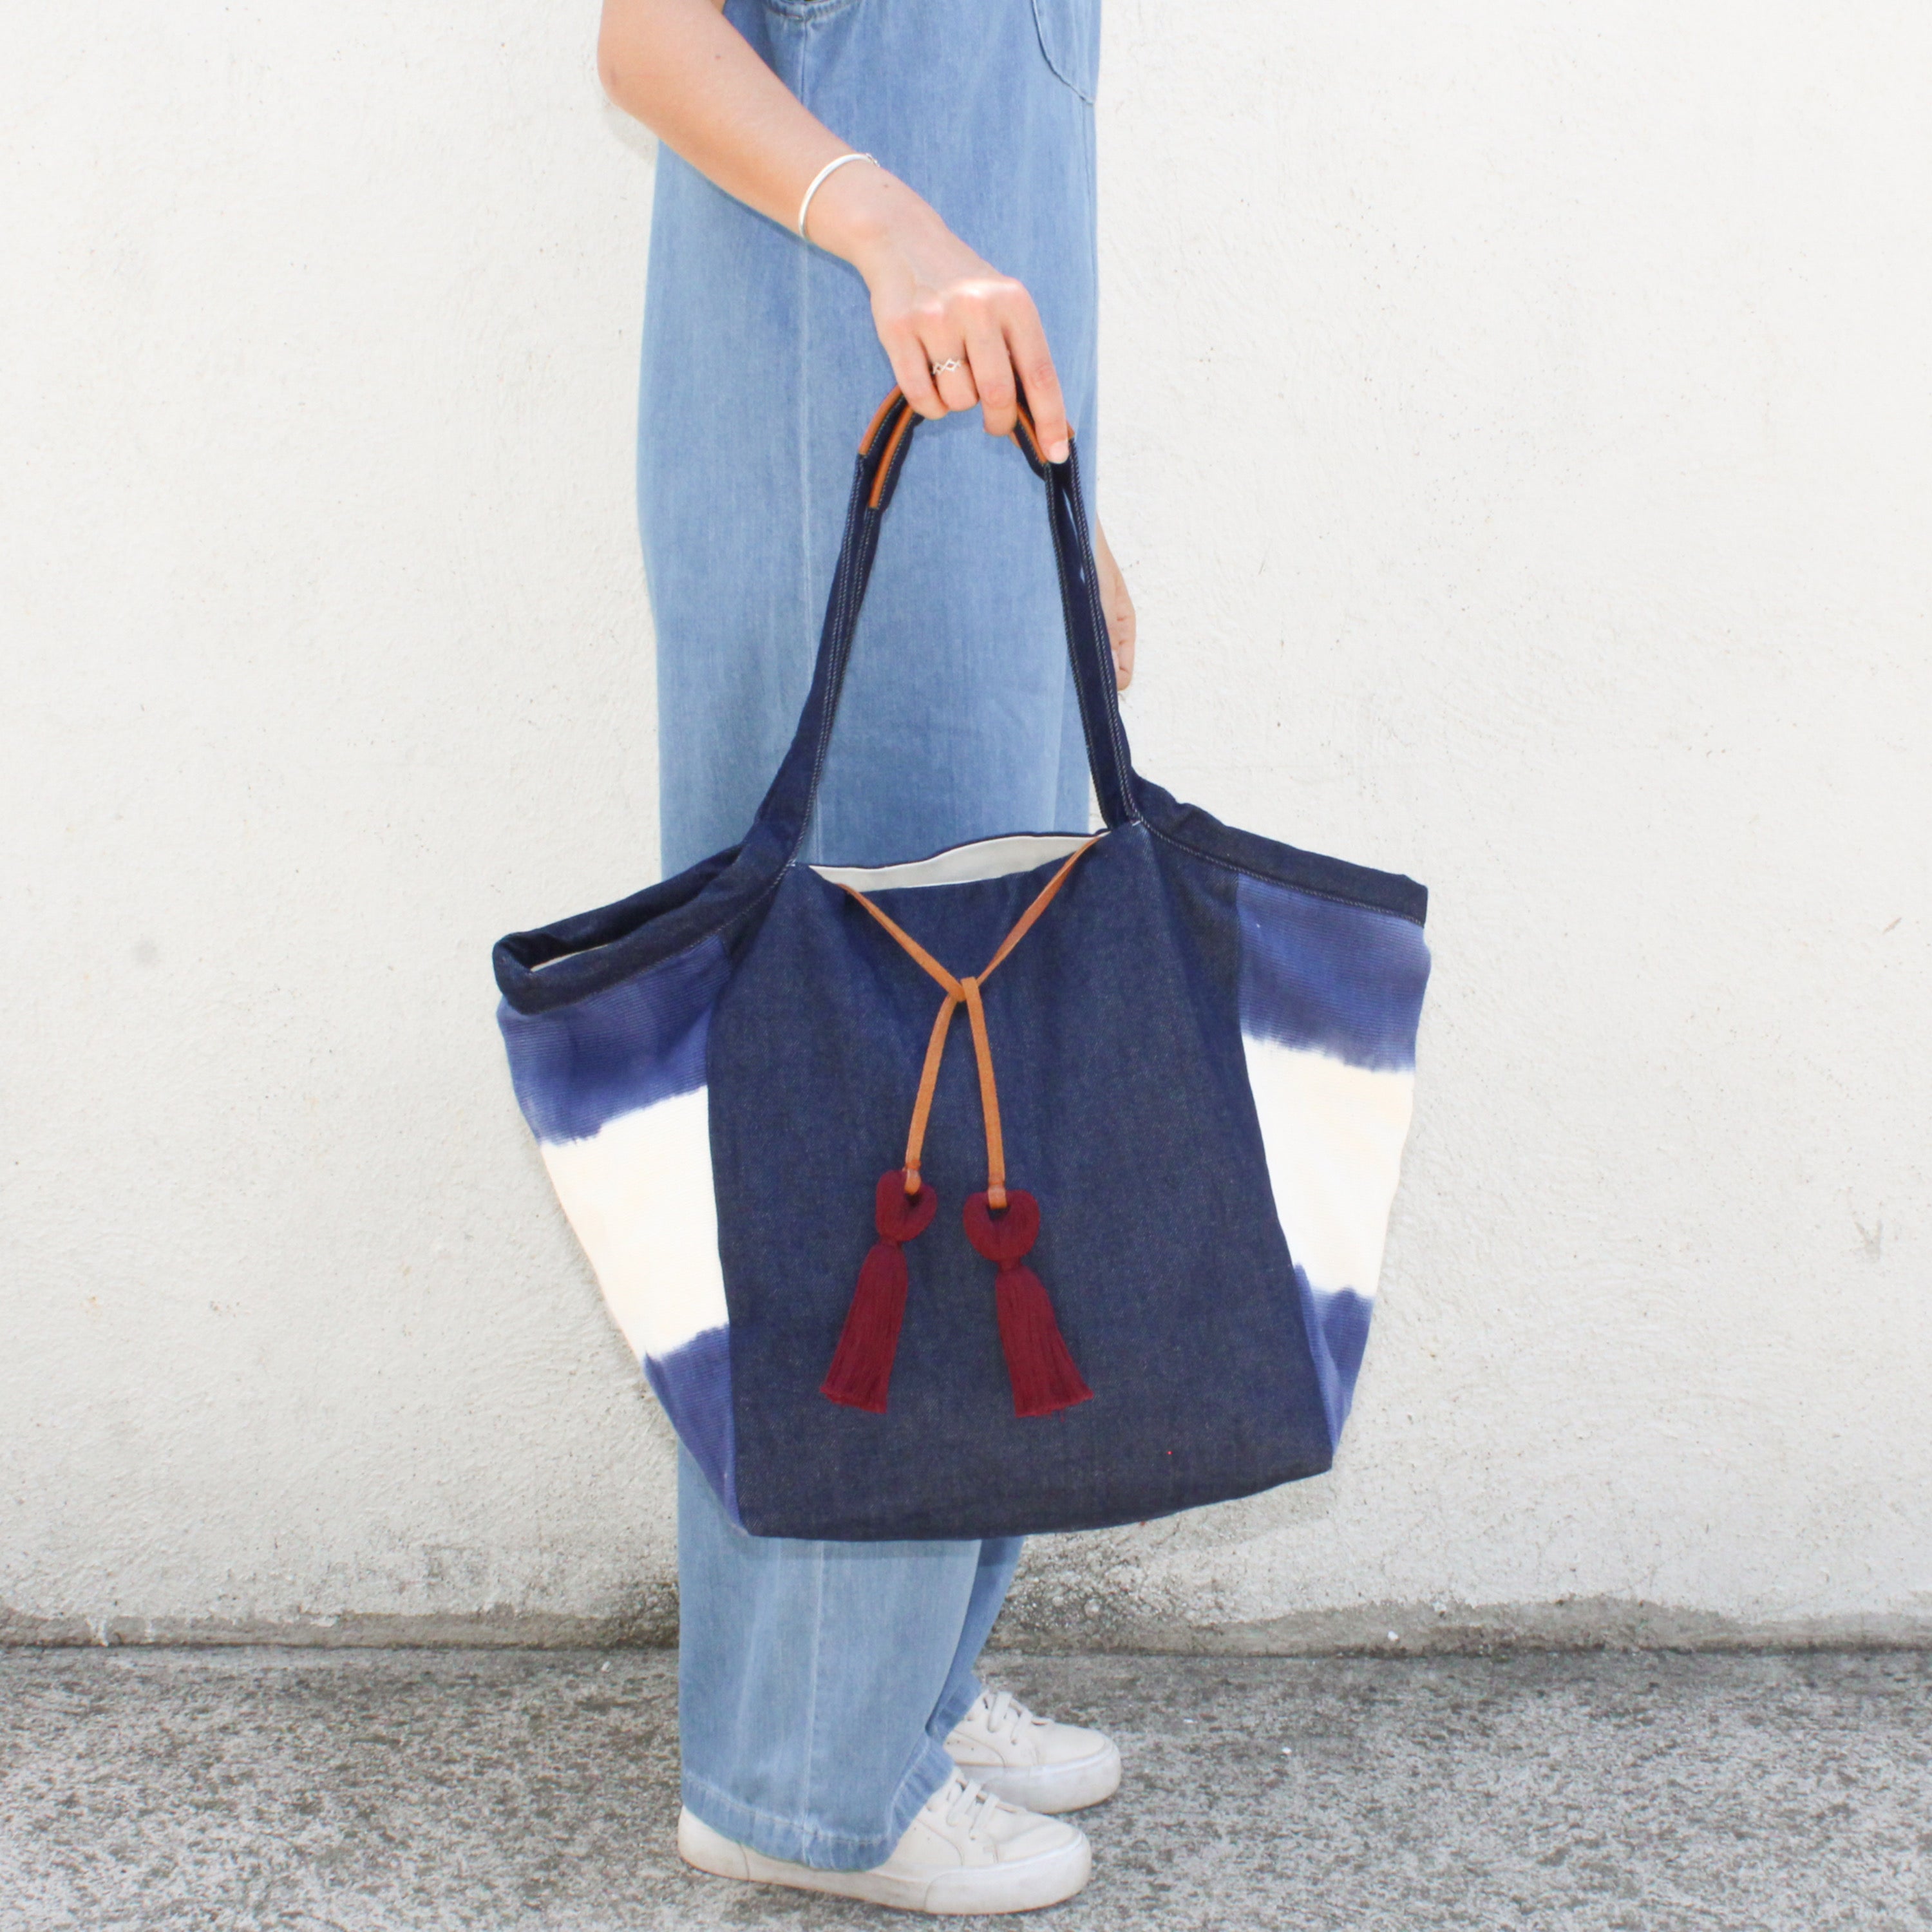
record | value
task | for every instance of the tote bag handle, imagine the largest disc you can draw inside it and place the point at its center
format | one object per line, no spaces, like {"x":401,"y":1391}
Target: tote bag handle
{"x":786,"y":809}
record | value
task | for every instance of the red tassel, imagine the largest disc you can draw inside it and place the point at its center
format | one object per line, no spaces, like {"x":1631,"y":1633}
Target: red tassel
{"x":861,"y":1370}
{"x":1043,"y":1375}
{"x":861,"y":1373}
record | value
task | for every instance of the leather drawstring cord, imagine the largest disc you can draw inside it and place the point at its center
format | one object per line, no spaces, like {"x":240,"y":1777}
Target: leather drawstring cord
{"x":965,"y":992}
{"x":1043,"y":1375}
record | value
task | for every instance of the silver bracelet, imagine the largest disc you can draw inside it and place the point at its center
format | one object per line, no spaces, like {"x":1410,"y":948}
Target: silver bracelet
{"x":839,"y":161}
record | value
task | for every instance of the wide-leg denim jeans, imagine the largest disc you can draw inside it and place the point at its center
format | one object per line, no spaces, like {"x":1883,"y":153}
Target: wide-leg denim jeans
{"x":817,"y":1681}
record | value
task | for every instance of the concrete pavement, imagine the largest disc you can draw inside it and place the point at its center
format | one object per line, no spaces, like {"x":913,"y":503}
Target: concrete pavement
{"x":387,"y":1791}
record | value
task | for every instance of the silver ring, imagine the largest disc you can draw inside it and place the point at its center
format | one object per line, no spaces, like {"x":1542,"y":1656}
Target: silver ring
{"x":946,"y":367}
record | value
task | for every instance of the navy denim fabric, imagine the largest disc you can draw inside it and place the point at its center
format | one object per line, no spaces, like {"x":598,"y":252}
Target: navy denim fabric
{"x":1115,"y":1034}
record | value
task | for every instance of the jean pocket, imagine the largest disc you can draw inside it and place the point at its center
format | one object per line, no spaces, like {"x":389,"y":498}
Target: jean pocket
{"x":804,"y":12}
{"x":1069,"y":38}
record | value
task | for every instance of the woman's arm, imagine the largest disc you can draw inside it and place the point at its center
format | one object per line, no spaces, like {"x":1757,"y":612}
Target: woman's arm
{"x":682,"y":69}
{"x":690,"y":77}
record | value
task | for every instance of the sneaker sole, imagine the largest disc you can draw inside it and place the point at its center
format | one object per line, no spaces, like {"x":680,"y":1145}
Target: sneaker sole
{"x":1054,"y":1788}
{"x":1049,"y":1879}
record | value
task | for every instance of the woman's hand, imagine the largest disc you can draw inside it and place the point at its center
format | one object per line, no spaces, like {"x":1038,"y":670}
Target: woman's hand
{"x":1121,"y":623}
{"x":934,"y":302}
{"x":958,"y":334}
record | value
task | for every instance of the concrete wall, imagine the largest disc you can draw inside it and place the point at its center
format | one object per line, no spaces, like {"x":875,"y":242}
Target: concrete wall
{"x":1516,"y":442}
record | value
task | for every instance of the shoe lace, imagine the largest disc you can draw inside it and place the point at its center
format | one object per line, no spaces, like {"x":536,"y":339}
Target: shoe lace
{"x":970,"y":1800}
{"x":1004,"y":1710}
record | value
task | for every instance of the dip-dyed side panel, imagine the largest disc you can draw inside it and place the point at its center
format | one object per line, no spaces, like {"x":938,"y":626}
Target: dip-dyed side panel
{"x":1331,"y":994}
{"x":613,"y":1087}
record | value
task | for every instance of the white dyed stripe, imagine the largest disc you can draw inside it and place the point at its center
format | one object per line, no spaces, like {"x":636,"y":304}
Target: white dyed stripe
{"x":638,"y":1193}
{"x":1333,"y":1135}
{"x":985,"y":859}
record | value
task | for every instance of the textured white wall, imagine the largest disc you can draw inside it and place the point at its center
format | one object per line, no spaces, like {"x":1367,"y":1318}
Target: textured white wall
{"x":1516,"y":439}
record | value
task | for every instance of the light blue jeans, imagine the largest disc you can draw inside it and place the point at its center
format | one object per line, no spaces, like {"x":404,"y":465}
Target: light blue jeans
{"x":817,"y":1680}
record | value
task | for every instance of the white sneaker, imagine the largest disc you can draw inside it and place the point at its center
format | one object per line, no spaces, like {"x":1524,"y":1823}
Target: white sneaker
{"x":965,"y":1851}
{"x":1032,"y":1761}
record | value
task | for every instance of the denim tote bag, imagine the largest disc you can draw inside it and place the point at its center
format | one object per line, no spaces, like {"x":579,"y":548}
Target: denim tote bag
{"x":1038,"y":1185}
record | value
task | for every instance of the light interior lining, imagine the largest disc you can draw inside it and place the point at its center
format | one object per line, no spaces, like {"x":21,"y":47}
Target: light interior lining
{"x":984,"y":858}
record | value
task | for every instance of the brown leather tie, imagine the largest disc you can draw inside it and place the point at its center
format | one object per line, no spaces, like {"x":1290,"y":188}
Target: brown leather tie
{"x":1044,"y":1377}
{"x":966,"y":992}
